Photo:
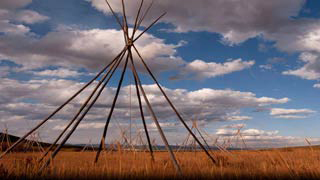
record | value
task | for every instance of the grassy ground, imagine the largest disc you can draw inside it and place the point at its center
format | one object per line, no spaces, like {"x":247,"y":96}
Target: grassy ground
{"x":268,"y":164}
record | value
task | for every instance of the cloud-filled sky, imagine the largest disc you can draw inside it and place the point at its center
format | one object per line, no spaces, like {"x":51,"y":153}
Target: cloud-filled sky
{"x":246,"y":64}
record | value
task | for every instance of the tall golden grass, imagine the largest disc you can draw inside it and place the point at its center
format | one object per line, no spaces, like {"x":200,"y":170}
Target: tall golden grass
{"x":268,"y":164}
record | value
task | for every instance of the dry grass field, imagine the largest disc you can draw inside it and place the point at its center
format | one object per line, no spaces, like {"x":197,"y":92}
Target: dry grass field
{"x":296,"y":163}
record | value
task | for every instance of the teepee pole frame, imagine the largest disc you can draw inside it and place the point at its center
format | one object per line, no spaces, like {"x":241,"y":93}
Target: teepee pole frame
{"x":95,"y":94}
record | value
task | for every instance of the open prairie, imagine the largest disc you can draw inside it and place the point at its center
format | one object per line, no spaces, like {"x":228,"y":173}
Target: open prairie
{"x":293,"y":163}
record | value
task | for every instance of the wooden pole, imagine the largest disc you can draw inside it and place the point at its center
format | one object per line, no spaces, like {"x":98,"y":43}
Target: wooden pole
{"x":115,"y":63}
{"x":114,"y":14}
{"x":149,"y":27}
{"x":172,"y":106}
{"x":136,"y":21}
{"x":56,"y":111}
{"x":125,"y":19}
{"x":111,"y":110}
{"x":141,"y":112}
{"x":75,"y":125}
{"x":145,"y":14}
{"x":164,"y":139}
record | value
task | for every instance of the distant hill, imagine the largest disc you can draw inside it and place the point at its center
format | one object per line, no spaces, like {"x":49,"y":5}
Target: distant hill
{"x":29,"y":145}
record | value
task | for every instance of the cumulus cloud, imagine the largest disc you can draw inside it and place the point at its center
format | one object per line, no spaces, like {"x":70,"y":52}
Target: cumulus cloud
{"x":31,"y":101}
{"x":316,"y":85}
{"x":271,"y":62}
{"x":246,"y":132}
{"x":86,"y":125}
{"x":84,"y":48}
{"x":291,"y":116}
{"x":11,"y":16}
{"x":290,"y":113}
{"x":236,"y":21}
{"x":311,"y":68}
{"x":166,"y":126}
{"x":92,"y":48}
{"x":68,"y":47}
{"x":30,"y":17}
{"x":8,"y":4}
{"x":301,"y":36}
{"x":266,"y":66}
{"x":14,"y":29}
{"x":235,"y":135}
{"x":201,"y":69}
{"x":216,"y":105}
{"x":281,"y":111}
{"x":233,"y":126}
{"x":238,"y":118}
{"x":61,"y":72}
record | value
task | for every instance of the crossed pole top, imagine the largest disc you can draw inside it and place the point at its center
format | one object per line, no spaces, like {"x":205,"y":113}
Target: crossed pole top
{"x":129,"y":40}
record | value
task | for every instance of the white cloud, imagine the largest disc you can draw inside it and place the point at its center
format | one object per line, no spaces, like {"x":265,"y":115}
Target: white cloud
{"x":86,"y":125}
{"x":165,"y":124}
{"x":290,"y":113}
{"x":301,"y":35}
{"x":291,"y":117}
{"x":61,"y":72}
{"x":238,"y":118}
{"x":59,"y":127}
{"x":316,"y":85}
{"x":266,"y":66}
{"x":216,"y":105}
{"x":311,"y":68}
{"x":256,"y":138}
{"x":245,"y":133}
{"x":11,"y":16}
{"x":8,"y":28}
{"x":84,"y":48}
{"x":235,"y":20}
{"x":202,"y":69}
{"x":271,"y":62}
{"x":46,"y":95}
{"x":30,"y":17}
{"x":9,"y":4}
{"x":274,"y":20}
{"x":281,"y":111}
{"x":68,"y":47}
{"x":233,"y":126}
{"x":257,"y":132}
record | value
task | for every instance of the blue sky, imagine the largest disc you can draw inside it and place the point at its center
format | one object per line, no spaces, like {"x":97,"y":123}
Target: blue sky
{"x":247,"y":63}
